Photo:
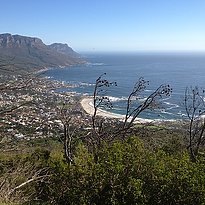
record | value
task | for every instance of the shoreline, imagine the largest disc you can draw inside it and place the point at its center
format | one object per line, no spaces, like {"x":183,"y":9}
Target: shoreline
{"x":41,"y":71}
{"x":44,"y":69}
{"x":87,"y":105}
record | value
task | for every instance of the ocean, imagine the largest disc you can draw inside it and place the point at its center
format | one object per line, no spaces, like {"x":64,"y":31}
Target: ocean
{"x":179,"y":70}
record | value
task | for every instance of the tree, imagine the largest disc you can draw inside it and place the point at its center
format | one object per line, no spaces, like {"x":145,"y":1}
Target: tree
{"x":70,"y":118}
{"x":135,"y":107}
{"x":195,"y":111}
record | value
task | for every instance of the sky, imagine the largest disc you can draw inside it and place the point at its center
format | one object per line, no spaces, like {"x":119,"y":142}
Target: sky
{"x":109,"y":25}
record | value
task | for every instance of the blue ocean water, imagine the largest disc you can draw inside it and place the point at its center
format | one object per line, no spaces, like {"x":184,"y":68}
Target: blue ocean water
{"x":179,"y":70}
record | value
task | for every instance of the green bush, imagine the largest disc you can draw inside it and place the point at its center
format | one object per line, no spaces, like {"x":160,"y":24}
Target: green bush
{"x":124,"y":172}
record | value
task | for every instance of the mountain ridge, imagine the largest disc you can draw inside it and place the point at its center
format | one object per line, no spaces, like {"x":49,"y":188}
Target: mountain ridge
{"x":32,"y":54}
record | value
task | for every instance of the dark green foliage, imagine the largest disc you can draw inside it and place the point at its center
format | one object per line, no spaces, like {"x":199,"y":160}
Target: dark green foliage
{"x":123,"y":172}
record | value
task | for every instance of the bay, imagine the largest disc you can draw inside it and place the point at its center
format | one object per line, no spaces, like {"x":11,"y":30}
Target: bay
{"x":179,"y":70}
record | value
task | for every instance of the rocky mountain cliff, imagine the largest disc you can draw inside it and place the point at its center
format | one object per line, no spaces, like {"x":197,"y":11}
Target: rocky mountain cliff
{"x":64,"y":49}
{"x":31,"y":53}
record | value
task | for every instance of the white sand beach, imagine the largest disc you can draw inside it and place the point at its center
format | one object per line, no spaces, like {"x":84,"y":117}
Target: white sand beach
{"x":87,"y":104}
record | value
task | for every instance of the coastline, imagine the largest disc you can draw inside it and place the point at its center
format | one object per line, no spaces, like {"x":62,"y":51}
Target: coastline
{"x":42,"y":70}
{"x":59,"y":66}
{"x":87,"y":105}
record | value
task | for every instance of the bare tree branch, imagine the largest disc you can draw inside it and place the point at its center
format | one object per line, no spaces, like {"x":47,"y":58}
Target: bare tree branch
{"x":135,"y":107}
{"x":69,"y":116}
{"x":195,"y":110}
{"x":99,"y":98}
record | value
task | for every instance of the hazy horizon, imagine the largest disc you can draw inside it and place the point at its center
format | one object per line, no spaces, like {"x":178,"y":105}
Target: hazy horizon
{"x":143,"y":51}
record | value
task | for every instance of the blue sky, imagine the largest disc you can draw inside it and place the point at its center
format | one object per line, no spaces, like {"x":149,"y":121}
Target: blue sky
{"x":109,"y":25}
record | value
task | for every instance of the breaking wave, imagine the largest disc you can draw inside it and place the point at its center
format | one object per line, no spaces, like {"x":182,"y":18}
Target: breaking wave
{"x":116,"y":99}
{"x":94,"y":64}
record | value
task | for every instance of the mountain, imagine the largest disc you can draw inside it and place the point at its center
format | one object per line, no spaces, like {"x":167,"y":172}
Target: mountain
{"x":64,"y":49}
{"x":32,"y":54}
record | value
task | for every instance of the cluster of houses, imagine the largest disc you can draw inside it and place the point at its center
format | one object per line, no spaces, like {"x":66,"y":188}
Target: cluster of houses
{"x":33,"y":110}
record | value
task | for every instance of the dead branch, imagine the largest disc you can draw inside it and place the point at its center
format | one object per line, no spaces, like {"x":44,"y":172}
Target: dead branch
{"x":100,"y":100}
{"x":195,"y":111}
{"x":34,"y":178}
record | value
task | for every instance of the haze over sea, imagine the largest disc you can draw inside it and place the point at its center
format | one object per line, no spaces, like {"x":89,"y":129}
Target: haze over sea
{"x":179,"y":70}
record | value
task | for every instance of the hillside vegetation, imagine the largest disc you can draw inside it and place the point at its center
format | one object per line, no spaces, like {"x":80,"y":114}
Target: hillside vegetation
{"x":52,"y":152}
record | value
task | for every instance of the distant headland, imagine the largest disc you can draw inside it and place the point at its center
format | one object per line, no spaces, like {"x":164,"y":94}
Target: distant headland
{"x":30,"y":53}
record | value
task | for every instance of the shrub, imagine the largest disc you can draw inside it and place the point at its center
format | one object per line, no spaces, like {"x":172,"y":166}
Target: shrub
{"x":124,"y":172}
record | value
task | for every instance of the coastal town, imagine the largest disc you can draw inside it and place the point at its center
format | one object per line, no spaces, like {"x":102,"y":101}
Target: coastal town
{"x":31,"y":107}
{"x":35,"y":106}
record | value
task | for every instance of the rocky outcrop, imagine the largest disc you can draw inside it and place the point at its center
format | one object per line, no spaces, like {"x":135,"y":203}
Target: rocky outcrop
{"x":16,"y":41}
{"x":64,"y":49}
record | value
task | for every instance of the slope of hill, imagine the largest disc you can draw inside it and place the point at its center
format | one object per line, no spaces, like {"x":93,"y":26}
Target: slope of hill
{"x":31,"y":53}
